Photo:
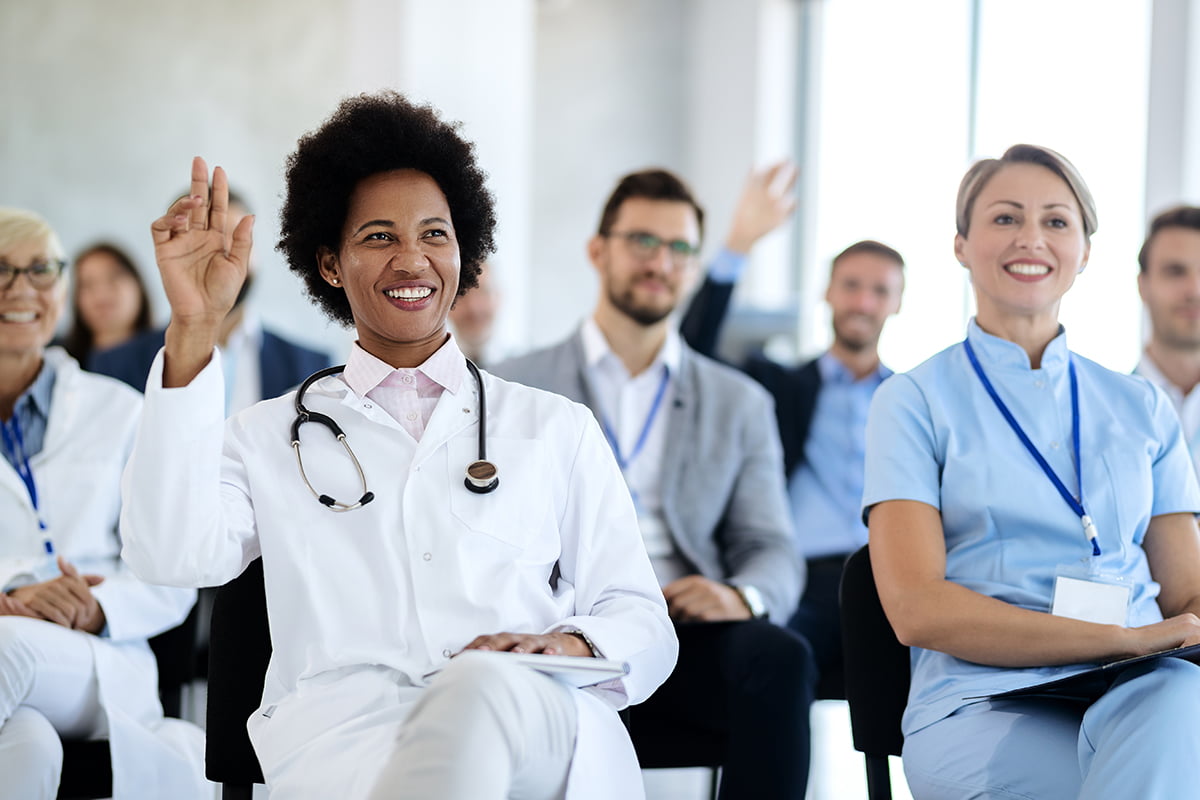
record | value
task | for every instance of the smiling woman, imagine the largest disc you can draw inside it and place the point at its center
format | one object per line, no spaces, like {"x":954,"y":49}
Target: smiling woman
{"x":73,"y":623}
{"x":1006,"y":472}
{"x":387,"y":220}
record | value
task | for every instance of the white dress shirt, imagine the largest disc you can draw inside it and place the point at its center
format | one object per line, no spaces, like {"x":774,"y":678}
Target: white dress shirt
{"x":1187,"y":406}
{"x":626,"y":403}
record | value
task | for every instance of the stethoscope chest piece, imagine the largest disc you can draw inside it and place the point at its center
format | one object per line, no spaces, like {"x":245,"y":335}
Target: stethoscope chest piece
{"x":482,"y":477}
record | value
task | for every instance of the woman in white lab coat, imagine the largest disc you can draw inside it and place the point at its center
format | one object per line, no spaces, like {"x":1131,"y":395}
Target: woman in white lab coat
{"x":73,"y":623}
{"x":380,"y":564}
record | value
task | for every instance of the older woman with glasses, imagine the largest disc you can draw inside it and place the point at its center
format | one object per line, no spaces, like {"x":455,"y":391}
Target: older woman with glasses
{"x":74,"y":662}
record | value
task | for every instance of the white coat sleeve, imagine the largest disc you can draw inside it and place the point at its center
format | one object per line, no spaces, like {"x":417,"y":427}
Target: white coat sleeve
{"x":619,"y":604}
{"x":186,"y":515}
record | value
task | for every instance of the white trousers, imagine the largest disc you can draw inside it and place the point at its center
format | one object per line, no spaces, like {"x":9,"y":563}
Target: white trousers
{"x":484,"y":729}
{"x":1141,"y":739}
{"x":48,"y":690}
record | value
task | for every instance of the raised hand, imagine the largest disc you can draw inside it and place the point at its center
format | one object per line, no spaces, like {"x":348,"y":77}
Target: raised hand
{"x":203,"y":265}
{"x":765,"y":203}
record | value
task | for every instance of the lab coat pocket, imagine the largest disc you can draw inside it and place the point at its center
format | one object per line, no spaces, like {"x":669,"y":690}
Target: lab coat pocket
{"x":514,"y":510}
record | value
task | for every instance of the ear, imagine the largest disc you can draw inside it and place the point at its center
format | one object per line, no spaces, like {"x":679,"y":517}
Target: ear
{"x":1142,"y":286}
{"x":1087,"y":252}
{"x":595,"y":250}
{"x":327,"y":263}
{"x":960,"y":242}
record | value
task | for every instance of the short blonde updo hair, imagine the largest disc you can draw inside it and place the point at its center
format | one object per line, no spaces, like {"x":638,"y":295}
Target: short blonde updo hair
{"x":982,"y":171}
{"x":18,"y":226}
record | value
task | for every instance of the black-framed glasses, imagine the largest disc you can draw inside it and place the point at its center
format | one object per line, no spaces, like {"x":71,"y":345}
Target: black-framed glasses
{"x":645,"y":245}
{"x":42,"y":274}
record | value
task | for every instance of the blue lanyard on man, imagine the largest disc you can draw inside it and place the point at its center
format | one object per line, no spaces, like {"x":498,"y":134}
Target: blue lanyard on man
{"x":14,"y":445}
{"x":624,"y":461}
{"x":1089,"y":528}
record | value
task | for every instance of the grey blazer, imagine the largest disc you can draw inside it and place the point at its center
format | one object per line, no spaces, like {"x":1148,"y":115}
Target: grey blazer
{"x":724,"y":496}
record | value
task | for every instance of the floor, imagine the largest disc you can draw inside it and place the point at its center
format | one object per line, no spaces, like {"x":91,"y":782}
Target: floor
{"x":837,"y":768}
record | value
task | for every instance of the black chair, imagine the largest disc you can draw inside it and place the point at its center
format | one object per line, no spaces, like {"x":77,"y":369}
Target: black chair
{"x":876,"y":671}
{"x":87,"y":764}
{"x":665,"y":749}
{"x":239,"y":649}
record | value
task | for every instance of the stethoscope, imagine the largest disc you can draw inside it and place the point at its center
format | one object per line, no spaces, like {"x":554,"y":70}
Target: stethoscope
{"x":482,"y":475}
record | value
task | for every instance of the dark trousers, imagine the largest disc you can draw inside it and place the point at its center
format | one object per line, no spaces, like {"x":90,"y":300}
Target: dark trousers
{"x":818,"y":619}
{"x":740,"y":697}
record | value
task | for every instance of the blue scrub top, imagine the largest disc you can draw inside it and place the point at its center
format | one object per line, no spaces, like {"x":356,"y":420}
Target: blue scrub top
{"x":934,"y":435}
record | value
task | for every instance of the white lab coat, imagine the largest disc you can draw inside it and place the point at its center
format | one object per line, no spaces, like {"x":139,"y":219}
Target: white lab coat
{"x":408,"y":580}
{"x":78,"y":470}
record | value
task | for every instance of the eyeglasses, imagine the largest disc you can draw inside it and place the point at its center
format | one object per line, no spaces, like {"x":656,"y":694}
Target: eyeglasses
{"x":42,"y":274}
{"x":645,"y":245}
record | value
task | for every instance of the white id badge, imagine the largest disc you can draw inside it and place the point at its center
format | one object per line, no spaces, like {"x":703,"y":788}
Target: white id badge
{"x":1091,"y":597}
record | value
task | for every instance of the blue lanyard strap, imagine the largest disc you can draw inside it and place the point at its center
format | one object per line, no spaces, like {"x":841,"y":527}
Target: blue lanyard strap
{"x":14,"y":444}
{"x":1089,"y":529}
{"x":625,"y":461}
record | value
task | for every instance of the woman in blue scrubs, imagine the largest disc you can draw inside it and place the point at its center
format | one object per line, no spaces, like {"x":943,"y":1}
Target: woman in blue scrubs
{"x":1031,"y":513}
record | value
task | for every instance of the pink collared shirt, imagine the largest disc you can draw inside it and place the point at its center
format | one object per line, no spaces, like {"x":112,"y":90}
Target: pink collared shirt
{"x":409,"y":395}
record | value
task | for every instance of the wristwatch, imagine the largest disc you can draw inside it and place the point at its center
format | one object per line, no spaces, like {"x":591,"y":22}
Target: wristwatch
{"x":753,"y":600}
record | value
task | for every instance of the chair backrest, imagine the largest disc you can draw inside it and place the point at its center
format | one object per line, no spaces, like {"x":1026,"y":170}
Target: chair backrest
{"x":876,"y":664}
{"x":239,"y":650}
{"x":175,"y":651}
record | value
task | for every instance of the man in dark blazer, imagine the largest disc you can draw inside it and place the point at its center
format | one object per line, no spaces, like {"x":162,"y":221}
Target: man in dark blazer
{"x":282,"y":364}
{"x":277,"y":365}
{"x":821,"y":409}
{"x":702,"y":459}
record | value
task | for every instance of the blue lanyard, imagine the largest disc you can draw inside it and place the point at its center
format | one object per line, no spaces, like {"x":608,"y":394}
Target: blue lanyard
{"x":625,"y":461}
{"x":1089,"y":528}
{"x":14,"y":444}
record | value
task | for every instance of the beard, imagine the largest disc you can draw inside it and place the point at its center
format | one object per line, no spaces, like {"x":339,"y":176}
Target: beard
{"x":1178,"y":336}
{"x":852,"y":339}
{"x":626,"y":302}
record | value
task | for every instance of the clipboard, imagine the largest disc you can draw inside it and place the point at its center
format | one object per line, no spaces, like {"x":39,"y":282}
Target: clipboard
{"x":1089,"y":684}
{"x":578,"y":671}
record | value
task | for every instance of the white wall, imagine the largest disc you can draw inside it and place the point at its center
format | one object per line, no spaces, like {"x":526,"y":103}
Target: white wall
{"x":105,"y":103}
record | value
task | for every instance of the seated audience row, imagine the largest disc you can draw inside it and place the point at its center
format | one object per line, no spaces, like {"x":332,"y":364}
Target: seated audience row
{"x":1029,"y":511}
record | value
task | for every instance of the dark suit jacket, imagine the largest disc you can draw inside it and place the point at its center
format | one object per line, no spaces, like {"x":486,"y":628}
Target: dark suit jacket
{"x":794,"y":388}
{"x":282,"y":364}
{"x":724,"y":497}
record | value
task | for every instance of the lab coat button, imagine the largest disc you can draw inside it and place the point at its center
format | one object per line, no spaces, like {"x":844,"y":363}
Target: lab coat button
{"x":427,"y":556}
{"x":367,"y":405}
{"x":446,"y":653}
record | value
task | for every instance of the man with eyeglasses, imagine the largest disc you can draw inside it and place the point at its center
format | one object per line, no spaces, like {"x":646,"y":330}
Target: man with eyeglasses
{"x":697,"y":444}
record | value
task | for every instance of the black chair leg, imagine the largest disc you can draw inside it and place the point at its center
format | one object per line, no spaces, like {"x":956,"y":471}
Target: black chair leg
{"x":879,"y":778}
{"x":230,"y":791}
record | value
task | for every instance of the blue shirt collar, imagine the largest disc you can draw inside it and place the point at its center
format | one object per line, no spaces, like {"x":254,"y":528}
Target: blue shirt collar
{"x":36,"y":399}
{"x":834,"y":371}
{"x":1003,"y":354}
